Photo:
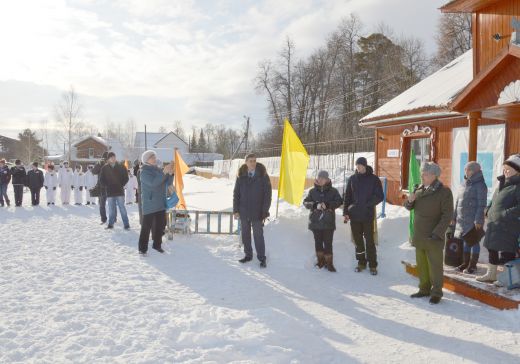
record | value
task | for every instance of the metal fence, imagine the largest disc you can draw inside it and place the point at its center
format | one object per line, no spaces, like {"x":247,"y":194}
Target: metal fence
{"x":340,"y":146}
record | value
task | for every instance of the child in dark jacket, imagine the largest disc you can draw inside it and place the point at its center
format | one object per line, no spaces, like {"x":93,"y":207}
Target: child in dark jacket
{"x":322,"y":200}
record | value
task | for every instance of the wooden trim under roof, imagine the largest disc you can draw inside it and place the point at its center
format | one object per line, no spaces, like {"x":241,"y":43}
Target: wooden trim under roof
{"x":487,"y":73}
{"x":467,"y":6}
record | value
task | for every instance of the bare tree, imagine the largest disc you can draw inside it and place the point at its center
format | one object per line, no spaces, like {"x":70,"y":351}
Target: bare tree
{"x":68,"y":116}
{"x":453,"y":38}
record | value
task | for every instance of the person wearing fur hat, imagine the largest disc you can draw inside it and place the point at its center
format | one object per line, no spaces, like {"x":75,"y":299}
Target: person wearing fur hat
{"x":35,"y":183}
{"x":65,"y":177}
{"x":503,"y":219}
{"x":78,"y":184}
{"x":153,"y":185}
{"x":363,"y":193}
{"x":19,"y":177}
{"x":251,"y":203}
{"x":113,"y":178}
{"x":468,"y":214}
{"x":323,"y":200}
{"x":5,"y":178}
{"x":90,"y":182}
{"x":50,"y":182}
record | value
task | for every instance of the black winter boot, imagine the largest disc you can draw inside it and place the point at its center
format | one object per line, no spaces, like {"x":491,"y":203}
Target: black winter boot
{"x":472,"y":267}
{"x":465,"y":262}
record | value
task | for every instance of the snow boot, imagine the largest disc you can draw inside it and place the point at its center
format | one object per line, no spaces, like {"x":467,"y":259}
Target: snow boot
{"x":373,"y":271}
{"x":158,"y":248}
{"x":435,"y":300}
{"x":465,"y":262}
{"x":245,"y":259}
{"x":263,"y":263}
{"x":472,"y":267}
{"x":321,"y":259}
{"x":360,"y":267}
{"x":490,"y":276}
{"x":329,"y":262}
{"x":420,"y":295}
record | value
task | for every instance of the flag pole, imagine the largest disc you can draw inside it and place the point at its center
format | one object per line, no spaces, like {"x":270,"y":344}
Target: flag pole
{"x":280,"y":173}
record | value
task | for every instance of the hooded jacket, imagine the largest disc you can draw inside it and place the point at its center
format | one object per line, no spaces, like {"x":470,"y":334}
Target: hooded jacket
{"x":364,"y":192}
{"x":470,"y":204}
{"x":322,"y":219}
{"x":35,"y":179}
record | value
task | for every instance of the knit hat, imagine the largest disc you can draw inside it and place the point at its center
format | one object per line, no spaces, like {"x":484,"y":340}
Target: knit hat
{"x":323,"y":174}
{"x":147,"y":155}
{"x":362,"y":161}
{"x":514,"y":162}
{"x":473,"y":166}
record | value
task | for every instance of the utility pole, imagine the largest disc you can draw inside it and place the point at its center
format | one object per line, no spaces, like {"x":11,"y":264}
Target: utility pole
{"x":246,"y":144}
{"x":145,"y":142}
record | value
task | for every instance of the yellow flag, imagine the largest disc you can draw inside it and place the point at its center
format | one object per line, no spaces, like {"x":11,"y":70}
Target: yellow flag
{"x":293,"y":167}
{"x":180,"y":170}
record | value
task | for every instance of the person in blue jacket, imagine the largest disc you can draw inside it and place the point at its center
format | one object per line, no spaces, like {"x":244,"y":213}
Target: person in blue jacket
{"x":153,"y":183}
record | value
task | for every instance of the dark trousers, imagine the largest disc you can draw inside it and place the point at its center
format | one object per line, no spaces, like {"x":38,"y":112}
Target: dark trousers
{"x":155,"y":223}
{"x":258,"y":234}
{"x":504,"y":257}
{"x":363,"y":233}
{"x":18,"y":194}
{"x":35,"y":196}
{"x":323,"y":240}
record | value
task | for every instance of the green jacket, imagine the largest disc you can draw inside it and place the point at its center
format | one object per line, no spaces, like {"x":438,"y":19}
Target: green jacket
{"x":433,"y":209}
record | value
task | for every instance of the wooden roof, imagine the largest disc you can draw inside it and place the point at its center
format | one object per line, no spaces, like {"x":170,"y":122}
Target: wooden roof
{"x":467,"y":6}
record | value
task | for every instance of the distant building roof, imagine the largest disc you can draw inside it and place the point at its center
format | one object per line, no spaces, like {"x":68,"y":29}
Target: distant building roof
{"x":151,"y":139}
{"x":433,"y":94}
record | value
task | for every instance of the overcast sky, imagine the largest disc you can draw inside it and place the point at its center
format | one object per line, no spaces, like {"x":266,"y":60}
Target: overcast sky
{"x":157,"y":61}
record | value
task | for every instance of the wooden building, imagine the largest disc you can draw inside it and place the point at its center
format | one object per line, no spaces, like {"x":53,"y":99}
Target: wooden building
{"x":468,"y":110}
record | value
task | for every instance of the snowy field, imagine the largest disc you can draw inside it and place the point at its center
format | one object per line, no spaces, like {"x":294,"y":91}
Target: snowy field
{"x":72,"y":292}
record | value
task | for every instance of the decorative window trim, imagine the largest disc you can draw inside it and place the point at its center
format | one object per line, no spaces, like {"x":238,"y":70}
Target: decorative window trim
{"x":416,"y":132}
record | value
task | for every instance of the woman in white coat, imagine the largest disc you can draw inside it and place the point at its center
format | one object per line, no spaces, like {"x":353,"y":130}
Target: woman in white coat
{"x":130,"y":188}
{"x":90,"y":182}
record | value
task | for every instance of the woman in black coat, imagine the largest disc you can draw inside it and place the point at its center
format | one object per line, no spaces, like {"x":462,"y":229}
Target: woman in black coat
{"x":322,"y":200}
{"x":503,"y":219}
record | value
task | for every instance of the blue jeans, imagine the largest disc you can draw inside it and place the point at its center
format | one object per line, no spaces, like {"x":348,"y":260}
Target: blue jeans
{"x":3,"y":194}
{"x":118,"y":201}
{"x":475,"y":249}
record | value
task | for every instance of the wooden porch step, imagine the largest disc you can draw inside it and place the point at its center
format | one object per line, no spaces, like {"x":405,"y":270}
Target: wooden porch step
{"x":489,"y":294}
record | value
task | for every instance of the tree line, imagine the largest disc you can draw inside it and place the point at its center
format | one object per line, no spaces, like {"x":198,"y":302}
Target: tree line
{"x":353,"y":73}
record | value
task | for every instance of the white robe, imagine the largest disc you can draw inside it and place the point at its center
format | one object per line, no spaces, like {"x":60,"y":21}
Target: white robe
{"x":65,"y":181}
{"x":90,"y":182}
{"x":130,"y":188}
{"x":78,"y":181}
{"x":50,"y":182}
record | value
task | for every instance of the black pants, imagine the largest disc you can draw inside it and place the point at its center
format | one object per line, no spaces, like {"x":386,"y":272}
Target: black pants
{"x":258,"y":234}
{"x":155,"y":222}
{"x":503,"y":259}
{"x":323,"y":240}
{"x":35,"y":196}
{"x":18,"y":194}
{"x":364,"y":232}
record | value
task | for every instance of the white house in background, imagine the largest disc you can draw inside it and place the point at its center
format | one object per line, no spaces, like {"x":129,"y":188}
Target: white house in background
{"x":164,"y":145}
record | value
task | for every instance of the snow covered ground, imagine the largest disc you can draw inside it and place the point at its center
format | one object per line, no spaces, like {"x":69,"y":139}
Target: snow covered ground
{"x":71,"y":291}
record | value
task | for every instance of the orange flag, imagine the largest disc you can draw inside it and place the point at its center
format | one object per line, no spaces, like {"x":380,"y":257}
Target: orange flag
{"x":180,"y":170}
{"x":126,"y":164}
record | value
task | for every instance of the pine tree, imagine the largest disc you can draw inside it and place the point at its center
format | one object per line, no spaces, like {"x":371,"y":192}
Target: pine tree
{"x":193,"y":143}
{"x":202,"y":142}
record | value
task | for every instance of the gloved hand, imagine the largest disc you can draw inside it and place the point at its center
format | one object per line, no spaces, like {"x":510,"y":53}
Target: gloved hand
{"x":71,"y":187}
{"x":265,"y":215}
{"x":81,"y":188}
{"x":54,"y":188}
{"x":46,"y":187}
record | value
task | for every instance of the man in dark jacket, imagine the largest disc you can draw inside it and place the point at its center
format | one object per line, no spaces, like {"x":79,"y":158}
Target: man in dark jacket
{"x":251,"y":203}
{"x":5,"y":178}
{"x":101,"y":190}
{"x":363,"y":193}
{"x":18,"y":178}
{"x":35,"y":183}
{"x":113,"y":178}
{"x":323,"y":200}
